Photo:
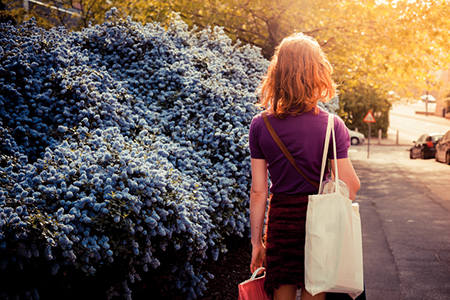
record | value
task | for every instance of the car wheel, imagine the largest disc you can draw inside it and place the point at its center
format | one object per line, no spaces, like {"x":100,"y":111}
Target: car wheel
{"x":354,"y":141}
{"x":447,"y":158}
{"x":411,"y":155}
{"x":422,"y":154}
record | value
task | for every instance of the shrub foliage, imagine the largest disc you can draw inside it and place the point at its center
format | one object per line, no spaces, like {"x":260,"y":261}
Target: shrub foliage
{"x":124,"y":147}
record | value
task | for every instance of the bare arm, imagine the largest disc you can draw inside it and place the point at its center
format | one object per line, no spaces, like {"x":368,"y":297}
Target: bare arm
{"x":258,"y":202}
{"x":348,"y":175}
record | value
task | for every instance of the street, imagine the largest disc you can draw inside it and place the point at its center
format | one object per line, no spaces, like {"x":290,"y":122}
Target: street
{"x":405,"y":212}
{"x":411,"y":125}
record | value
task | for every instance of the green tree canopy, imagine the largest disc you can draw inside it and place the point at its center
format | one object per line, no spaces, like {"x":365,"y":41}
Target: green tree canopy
{"x":388,"y":44}
{"x":356,"y":102}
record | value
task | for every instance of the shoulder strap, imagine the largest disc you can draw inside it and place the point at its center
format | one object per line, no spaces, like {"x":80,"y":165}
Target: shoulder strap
{"x":285,"y":150}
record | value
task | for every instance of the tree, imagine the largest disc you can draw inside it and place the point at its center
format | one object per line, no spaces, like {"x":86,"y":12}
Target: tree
{"x":356,"y":102}
{"x":73,"y":14}
{"x":389,"y":44}
{"x":4,"y":15}
{"x":392,"y":45}
{"x":374,"y":46}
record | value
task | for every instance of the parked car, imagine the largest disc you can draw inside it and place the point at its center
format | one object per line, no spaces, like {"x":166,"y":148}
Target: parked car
{"x":425,"y":147}
{"x":356,"y":137}
{"x":443,"y":149}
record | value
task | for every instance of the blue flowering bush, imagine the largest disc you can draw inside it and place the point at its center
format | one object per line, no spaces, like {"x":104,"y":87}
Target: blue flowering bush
{"x":124,"y":153}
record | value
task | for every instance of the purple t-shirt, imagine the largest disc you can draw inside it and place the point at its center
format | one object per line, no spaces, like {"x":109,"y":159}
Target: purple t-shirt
{"x":304,"y":136}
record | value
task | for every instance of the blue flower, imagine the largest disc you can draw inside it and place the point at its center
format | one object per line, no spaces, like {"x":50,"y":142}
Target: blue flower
{"x":128,"y":147}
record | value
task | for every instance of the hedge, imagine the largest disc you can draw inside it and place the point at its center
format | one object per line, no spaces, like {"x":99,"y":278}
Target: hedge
{"x":124,"y":152}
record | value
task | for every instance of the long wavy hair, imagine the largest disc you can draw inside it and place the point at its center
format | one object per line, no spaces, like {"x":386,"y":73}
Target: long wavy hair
{"x":299,"y":75}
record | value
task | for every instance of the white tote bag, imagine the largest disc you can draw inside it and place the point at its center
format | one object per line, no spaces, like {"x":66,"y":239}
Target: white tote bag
{"x":333,"y":245}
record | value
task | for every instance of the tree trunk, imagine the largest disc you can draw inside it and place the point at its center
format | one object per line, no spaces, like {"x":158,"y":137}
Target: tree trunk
{"x":273,"y":40}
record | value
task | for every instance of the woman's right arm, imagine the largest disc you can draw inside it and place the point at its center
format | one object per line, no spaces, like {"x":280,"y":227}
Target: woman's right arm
{"x":258,"y":203}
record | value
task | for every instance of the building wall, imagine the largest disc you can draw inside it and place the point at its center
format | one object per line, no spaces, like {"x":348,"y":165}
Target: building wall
{"x":441,"y":102}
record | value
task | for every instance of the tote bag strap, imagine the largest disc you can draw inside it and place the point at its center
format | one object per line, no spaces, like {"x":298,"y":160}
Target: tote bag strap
{"x":330,"y":131}
{"x":285,"y":150}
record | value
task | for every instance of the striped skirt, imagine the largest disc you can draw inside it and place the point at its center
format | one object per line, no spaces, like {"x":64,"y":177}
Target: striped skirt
{"x":285,"y":241}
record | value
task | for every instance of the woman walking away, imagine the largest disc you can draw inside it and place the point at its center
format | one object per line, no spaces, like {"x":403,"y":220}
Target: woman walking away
{"x":298,"y":77}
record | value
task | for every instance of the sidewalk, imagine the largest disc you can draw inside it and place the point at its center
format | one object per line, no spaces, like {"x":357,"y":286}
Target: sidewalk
{"x":391,"y":140}
{"x":405,"y":213}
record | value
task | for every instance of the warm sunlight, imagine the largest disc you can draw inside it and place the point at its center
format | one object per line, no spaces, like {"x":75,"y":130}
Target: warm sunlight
{"x":136,"y":160}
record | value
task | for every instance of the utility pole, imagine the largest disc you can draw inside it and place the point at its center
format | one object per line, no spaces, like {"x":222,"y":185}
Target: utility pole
{"x":426,"y":105}
{"x":369,"y":119}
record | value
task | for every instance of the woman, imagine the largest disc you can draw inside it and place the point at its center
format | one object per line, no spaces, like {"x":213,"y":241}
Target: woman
{"x":298,"y":77}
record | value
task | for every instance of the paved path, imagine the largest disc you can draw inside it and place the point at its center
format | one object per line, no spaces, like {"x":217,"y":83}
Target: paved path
{"x":405,"y":211}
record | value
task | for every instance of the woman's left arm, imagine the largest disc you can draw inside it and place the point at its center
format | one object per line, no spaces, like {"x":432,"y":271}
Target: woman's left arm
{"x":348,"y":175}
{"x":258,"y":203}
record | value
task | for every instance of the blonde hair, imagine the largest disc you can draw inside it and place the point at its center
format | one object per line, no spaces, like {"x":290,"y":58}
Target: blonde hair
{"x":299,"y":75}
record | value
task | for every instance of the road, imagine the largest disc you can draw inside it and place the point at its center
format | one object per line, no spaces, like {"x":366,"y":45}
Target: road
{"x":405,"y":212}
{"x":411,"y":125}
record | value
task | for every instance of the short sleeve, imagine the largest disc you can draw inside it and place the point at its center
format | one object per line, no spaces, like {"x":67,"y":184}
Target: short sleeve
{"x":342,"y":139}
{"x":255,"y":149}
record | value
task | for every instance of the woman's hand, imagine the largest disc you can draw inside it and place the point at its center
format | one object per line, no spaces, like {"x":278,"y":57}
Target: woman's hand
{"x":258,"y":257}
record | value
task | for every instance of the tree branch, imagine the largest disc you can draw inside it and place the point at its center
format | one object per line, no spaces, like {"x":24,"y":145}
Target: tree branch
{"x":58,"y":14}
{"x":228,"y":29}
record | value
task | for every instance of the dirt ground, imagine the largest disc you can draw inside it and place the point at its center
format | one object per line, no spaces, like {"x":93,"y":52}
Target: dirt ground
{"x":229,"y":270}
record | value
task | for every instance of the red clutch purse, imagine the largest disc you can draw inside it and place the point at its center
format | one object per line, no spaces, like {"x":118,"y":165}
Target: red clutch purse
{"x":253,"y":288}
